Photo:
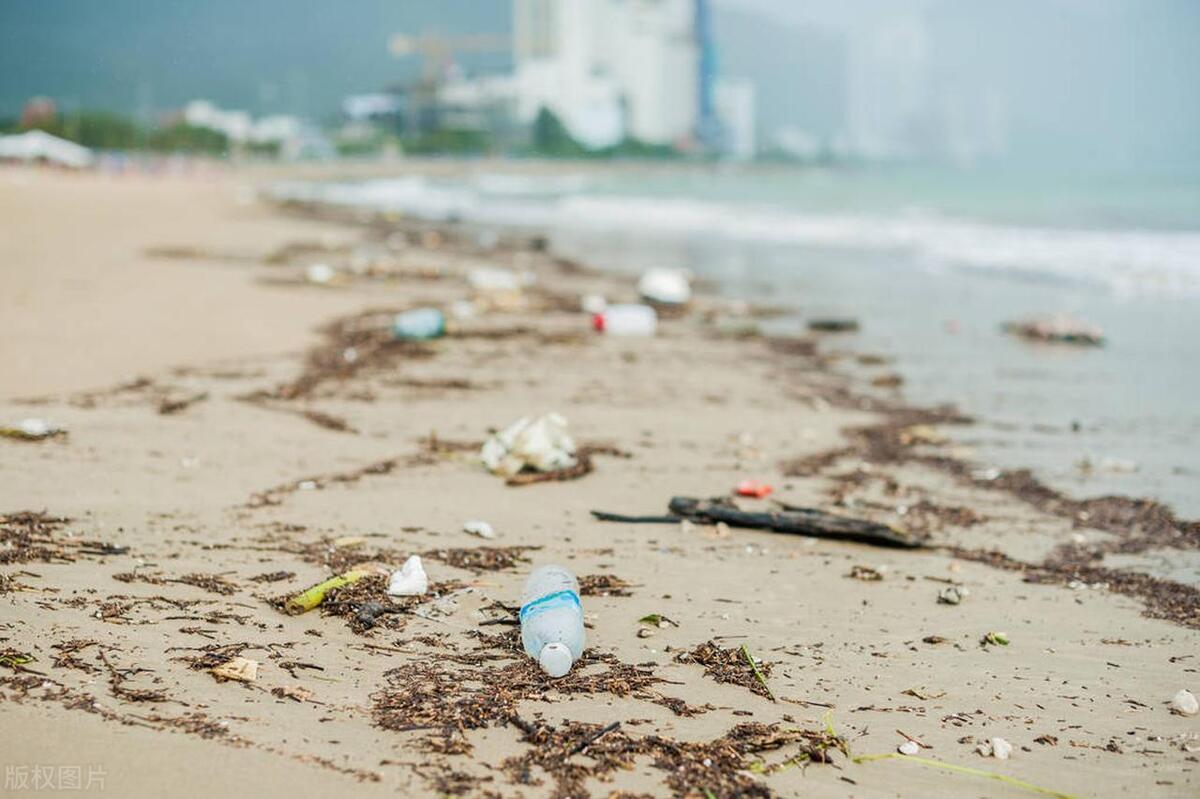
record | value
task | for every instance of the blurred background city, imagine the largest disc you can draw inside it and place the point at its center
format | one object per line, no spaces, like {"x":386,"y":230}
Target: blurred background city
{"x":1108,"y":83}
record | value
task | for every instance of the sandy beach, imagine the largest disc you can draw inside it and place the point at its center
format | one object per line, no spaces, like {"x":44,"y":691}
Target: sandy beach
{"x":235,"y":434}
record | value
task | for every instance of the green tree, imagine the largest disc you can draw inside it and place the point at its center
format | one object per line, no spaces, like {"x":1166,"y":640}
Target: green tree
{"x":551,"y":137}
{"x":186,"y":138}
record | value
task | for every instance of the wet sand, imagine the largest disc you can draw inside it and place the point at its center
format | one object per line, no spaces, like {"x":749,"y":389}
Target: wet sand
{"x":224,"y":450}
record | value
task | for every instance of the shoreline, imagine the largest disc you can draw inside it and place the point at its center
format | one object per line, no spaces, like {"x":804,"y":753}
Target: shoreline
{"x":226,"y":484}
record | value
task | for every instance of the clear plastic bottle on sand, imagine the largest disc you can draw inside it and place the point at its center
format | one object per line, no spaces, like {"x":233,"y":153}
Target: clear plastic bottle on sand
{"x":419,"y":324}
{"x":552,"y":619}
{"x":626,"y":320}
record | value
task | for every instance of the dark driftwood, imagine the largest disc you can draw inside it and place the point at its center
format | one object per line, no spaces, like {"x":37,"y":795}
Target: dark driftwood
{"x":789,"y":519}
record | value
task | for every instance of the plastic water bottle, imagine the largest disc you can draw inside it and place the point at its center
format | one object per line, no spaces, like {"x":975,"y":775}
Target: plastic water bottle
{"x":419,"y":324}
{"x":626,"y":320}
{"x":552,"y":619}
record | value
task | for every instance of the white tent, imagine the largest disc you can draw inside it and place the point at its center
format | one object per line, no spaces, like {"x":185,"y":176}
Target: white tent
{"x":37,"y":145}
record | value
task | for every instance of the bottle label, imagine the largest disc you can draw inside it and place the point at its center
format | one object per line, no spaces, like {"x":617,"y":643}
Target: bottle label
{"x":550,"y":600}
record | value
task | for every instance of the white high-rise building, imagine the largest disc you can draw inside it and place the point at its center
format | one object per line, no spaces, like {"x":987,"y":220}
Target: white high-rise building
{"x":609,"y":68}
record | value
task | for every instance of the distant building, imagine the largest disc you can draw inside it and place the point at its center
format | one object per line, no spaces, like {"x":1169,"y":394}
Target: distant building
{"x":204,"y":114}
{"x":890,"y":103}
{"x":609,"y":69}
{"x":734,"y":100}
{"x":38,"y":111}
{"x":241,"y":128}
{"x":368,"y":107}
{"x":36,"y":146}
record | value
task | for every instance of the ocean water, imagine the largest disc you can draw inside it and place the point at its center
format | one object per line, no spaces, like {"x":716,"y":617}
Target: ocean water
{"x":931,"y":262}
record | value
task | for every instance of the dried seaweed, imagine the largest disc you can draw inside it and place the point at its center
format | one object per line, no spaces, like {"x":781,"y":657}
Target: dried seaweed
{"x":603,"y":585}
{"x":729,"y":665}
{"x":480,"y":559}
{"x":276,"y":495}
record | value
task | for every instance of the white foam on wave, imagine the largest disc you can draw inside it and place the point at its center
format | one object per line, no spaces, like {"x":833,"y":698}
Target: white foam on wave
{"x":1127,"y":261}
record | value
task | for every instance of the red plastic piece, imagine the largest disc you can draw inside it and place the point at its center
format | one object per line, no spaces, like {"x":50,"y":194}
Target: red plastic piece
{"x":753,"y":488}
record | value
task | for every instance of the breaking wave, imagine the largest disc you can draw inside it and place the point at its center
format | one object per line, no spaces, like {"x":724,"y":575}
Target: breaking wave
{"x":1126,"y":261}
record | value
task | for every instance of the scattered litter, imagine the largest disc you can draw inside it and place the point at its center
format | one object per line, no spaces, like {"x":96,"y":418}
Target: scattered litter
{"x":463,"y":309}
{"x":490,"y":280}
{"x":297,"y":692}
{"x":626,"y":320}
{"x":539,"y":445}
{"x":479,"y":528}
{"x":409,"y":580}
{"x":995,"y":639}
{"x":922,"y":434}
{"x":237,"y":668}
{"x":321,"y":274}
{"x":593,"y":303}
{"x":33,"y":430}
{"x":789,"y":519}
{"x":665,"y":286}
{"x":833,"y":325}
{"x":1184,"y":703}
{"x":753,"y":488}
{"x":420,"y":324}
{"x":995,"y":747}
{"x":1058,"y":329}
{"x":657,"y":620}
{"x":865,"y":573}
{"x":552,"y":619}
{"x":909,"y":748}
{"x":307,"y":600}
{"x":952,"y":595}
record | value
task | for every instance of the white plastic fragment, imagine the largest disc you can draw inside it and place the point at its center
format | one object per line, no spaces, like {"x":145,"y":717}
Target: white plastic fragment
{"x":319,"y":273}
{"x":1184,"y":703}
{"x":410,"y":580}
{"x":909,"y":748}
{"x":541,"y":444}
{"x":37,"y":427}
{"x":593,"y":303}
{"x":490,"y":279}
{"x":667,"y":286}
{"x":480,"y":528}
{"x":995,"y":747}
{"x":237,"y":668}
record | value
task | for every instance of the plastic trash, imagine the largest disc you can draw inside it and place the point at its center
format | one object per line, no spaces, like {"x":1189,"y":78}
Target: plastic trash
{"x":419,"y":325}
{"x":32,"y":429}
{"x":320,"y":273}
{"x":593,"y":303}
{"x":909,"y":748}
{"x":997,"y":748}
{"x":489,"y":279}
{"x":626,"y":320}
{"x":552,"y":619}
{"x":410,"y":579}
{"x":479,"y":528}
{"x":311,"y":598}
{"x":1184,"y":703}
{"x":753,"y":488}
{"x":665,"y":286}
{"x":542,"y":445}
{"x":236,"y":668}
{"x":1060,"y":328}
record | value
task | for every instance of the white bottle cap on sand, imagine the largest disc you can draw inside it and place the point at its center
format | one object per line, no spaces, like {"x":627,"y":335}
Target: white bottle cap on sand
{"x":555,"y":659}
